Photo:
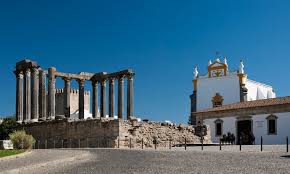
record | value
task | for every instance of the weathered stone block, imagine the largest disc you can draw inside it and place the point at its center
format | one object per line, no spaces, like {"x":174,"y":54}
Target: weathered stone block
{"x":6,"y":144}
{"x":108,"y":133}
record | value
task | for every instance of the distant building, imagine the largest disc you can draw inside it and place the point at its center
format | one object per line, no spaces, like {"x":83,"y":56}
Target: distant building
{"x":230,"y":102}
{"x":74,"y":103}
{"x":1,"y":120}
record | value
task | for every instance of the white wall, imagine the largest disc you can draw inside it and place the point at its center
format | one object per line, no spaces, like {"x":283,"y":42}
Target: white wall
{"x":260,"y":128}
{"x":253,"y":88}
{"x":227,"y":86}
{"x":283,"y":129}
{"x":229,"y":125}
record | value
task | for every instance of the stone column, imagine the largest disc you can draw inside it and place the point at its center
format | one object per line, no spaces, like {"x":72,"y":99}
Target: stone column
{"x":95,"y":99}
{"x":27,"y":96}
{"x":42,"y":95}
{"x":130,"y":96}
{"x":35,"y":90}
{"x":51,"y":93}
{"x":81,"y":98}
{"x":111,"y":97}
{"x":120,"y":96}
{"x":103,"y":98}
{"x":19,"y":96}
{"x":66,"y":97}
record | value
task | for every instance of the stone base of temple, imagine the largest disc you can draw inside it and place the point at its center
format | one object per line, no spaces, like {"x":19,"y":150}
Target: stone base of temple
{"x":42,"y":119}
{"x":50,"y":118}
{"x":34,"y":120}
{"x":109,"y":132}
{"x":59,"y":117}
{"x":146,"y":134}
{"x":26,"y":121}
{"x":19,"y":121}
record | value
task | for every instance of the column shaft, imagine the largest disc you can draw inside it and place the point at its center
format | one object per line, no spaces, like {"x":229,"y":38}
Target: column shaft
{"x":120,"y":96}
{"x":103,"y":98}
{"x":19,"y":97}
{"x":111,"y":97}
{"x":81,"y":99}
{"x":27,"y":96}
{"x":42,"y":95}
{"x":66,"y":97}
{"x":95,"y":99}
{"x":130,"y":97}
{"x":51,"y":93}
{"x":35,"y":90}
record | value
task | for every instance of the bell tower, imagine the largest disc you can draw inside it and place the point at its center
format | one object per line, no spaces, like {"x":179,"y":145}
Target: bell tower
{"x":217,"y":87}
{"x":217,"y":68}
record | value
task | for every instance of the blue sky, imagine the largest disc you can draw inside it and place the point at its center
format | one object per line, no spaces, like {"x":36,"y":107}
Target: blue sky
{"x":161,"y":40}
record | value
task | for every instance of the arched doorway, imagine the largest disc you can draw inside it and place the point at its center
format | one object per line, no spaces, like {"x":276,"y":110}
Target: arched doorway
{"x":245,"y":132}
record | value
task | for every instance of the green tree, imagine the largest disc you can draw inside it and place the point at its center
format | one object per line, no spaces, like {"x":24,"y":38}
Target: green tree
{"x":8,"y":126}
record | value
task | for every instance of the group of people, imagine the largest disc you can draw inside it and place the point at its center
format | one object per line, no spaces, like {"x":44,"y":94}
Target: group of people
{"x":246,"y":137}
{"x":228,"y":138}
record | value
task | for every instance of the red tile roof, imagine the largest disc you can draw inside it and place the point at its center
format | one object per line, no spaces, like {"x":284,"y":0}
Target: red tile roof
{"x":249,"y":104}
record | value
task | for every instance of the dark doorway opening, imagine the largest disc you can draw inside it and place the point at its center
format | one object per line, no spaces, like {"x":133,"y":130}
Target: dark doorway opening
{"x":244,"y":132}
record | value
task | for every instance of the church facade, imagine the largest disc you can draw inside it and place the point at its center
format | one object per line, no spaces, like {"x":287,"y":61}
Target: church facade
{"x":229,"y":102}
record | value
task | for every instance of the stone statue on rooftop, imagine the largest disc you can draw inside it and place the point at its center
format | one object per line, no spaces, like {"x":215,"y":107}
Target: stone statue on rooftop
{"x":241,"y":71}
{"x":195,"y":73}
{"x":209,"y":62}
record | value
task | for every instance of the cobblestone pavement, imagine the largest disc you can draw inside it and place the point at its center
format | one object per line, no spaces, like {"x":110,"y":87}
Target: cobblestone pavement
{"x":236,"y":148}
{"x":177,"y":160}
{"x":42,"y":161}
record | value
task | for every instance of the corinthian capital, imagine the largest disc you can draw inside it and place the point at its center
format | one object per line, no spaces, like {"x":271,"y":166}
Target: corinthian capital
{"x":81,"y":82}
{"x":130,"y":76}
{"x":111,"y":80}
{"x":103,"y":82}
{"x":35,"y":70}
{"x":66,"y":79}
{"x":19,"y":74}
{"x":121,"y":77}
{"x":27,"y":72}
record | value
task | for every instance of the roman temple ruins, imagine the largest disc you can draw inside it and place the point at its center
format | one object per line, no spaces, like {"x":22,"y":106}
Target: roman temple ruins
{"x":48,"y":114}
{"x":31,"y":93}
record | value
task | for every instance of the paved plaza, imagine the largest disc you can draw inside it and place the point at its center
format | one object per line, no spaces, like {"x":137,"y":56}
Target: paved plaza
{"x":273,"y":159}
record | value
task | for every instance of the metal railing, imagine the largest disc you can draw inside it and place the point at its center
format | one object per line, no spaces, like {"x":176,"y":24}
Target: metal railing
{"x":73,"y":143}
{"x":103,"y":142}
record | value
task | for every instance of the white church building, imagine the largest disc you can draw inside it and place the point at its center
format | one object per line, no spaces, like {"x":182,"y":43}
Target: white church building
{"x":229,"y":102}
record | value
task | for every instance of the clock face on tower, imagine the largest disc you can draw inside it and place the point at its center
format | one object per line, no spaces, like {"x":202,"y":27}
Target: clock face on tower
{"x":217,"y":73}
{"x":217,"y":69}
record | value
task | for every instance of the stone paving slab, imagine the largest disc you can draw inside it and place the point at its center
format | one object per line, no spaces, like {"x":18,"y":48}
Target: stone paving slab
{"x":147,"y":161}
{"x":236,"y":148}
{"x":180,"y":161}
{"x":41,"y":159}
{"x":225,"y":148}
